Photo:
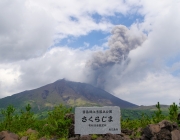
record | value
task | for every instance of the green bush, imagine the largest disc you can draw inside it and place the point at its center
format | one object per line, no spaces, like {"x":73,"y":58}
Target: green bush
{"x":8,"y":118}
{"x":173,"y":112}
{"x":57,"y":125}
{"x":144,"y":120}
{"x":25,"y":120}
{"x":17,"y":122}
{"x":54,"y":125}
{"x":158,"y":116}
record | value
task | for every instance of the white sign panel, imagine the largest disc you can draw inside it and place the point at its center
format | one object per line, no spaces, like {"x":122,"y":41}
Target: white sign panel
{"x":97,"y":120}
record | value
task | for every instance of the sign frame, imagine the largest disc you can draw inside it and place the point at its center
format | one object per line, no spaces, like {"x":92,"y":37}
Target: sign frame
{"x":97,"y":120}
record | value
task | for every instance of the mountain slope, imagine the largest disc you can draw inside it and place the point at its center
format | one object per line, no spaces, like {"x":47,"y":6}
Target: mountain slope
{"x":65,"y":92}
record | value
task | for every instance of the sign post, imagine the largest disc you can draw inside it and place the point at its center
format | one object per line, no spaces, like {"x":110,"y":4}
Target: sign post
{"x":97,"y":120}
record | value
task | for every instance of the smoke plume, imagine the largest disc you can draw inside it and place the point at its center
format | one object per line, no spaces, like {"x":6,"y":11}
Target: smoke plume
{"x":121,"y":42}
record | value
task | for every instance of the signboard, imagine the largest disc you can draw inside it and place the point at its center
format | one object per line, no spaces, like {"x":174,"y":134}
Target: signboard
{"x":97,"y":120}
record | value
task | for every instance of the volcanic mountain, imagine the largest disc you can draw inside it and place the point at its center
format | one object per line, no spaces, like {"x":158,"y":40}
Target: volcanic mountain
{"x":65,"y":92}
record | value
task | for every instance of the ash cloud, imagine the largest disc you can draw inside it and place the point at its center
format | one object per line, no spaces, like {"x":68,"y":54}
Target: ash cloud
{"x":104,"y":64}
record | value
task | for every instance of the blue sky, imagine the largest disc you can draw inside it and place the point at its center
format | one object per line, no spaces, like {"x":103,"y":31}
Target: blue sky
{"x":93,"y":38}
{"x":131,"y":48}
{"x":98,"y":38}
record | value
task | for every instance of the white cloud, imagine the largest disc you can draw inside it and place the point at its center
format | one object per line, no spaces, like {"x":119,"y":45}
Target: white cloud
{"x":147,"y":75}
{"x":56,"y":64}
{"x":9,"y":79}
{"x":25,"y":32}
{"x":29,"y":30}
{"x":154,"y":87}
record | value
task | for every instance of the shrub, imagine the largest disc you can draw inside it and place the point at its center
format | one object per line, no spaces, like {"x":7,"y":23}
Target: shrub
{"x":17,"y":122}
{"x":158,"y":116}
{"x":8,"y":118}
{"x":56,"y":123}
{"x":173,"y":112}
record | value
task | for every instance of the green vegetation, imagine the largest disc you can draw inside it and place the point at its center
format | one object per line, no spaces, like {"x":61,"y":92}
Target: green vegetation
{"x":155,"y":117}
{"x":94,"y":136}
{"x":53,"y":123}
{"x":135,"y":114}
{"x":173,"y":112}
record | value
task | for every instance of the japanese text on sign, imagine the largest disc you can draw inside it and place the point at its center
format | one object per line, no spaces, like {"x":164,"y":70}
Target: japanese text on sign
{"x":97,"y":120}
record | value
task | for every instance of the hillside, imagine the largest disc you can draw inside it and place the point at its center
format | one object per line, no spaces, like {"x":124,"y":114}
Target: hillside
{"x":66,"y":92}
